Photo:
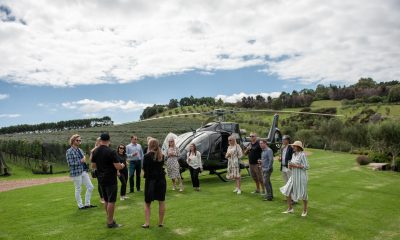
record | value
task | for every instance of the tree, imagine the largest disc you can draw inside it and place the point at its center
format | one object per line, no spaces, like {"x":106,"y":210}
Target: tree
{"x":332,"y":130}
{"x":394,"y":94}
{"x":220,"y":102}
{"x":304,"y":135}
{"x":173,"y":103}
{"x":365,"y":83}
{"x":385,"y":137}
{"x":277,"y":104}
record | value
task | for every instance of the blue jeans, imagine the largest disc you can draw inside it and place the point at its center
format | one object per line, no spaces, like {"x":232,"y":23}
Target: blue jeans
{"x":135,"y":166}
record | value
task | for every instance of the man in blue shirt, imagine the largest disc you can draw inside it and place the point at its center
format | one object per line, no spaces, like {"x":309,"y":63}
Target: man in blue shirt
{"x":267,"y":162}
{"x":134,"y":155}
{"x":78,"y":171}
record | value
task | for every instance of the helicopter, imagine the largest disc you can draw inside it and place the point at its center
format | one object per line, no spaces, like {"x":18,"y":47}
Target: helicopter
{"x":211,"y":140}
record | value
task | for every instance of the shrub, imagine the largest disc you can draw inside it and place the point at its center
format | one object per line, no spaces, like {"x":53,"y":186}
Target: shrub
{"x":379,"y":157}
{"x":342,"y":146}
{"x":363,"y":160}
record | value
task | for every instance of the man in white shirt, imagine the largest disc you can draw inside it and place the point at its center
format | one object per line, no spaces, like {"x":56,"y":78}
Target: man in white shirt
{"x":134,"y":155}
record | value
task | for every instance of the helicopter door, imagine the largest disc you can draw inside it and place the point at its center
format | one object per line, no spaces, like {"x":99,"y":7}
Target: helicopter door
{"x":224,"y":145}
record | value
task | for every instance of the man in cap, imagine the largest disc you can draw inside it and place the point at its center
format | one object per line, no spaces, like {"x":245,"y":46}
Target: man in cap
{"x":105,"y":161}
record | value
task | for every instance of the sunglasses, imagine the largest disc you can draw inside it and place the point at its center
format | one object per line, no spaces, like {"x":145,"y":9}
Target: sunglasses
{"x":252,"y":135}
{"x":78,"y":140}
{"x":121,"y":148}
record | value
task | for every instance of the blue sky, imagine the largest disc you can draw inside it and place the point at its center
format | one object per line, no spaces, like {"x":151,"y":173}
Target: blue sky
{"x":64,"y":60}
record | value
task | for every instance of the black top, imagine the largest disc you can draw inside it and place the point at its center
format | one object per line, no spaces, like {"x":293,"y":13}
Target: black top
{"x":153,"y":169}
{"x":105,"y":157}
{"x":288,"y":157}
{"x":255,"y":153}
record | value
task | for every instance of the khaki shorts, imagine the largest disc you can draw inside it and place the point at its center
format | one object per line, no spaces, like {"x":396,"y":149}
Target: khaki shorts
{"x":256,"y":172}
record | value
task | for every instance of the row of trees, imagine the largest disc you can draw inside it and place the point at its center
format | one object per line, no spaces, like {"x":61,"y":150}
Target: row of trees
{"x":57,"y":126}
{"x":379,"y":139}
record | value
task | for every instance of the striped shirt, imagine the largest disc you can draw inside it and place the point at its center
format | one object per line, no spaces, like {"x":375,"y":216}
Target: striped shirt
{"x":74,"y":157}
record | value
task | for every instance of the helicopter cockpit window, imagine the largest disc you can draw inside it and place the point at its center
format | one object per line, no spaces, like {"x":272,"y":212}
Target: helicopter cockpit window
{"x":184,"y":139}
{"x":228,"y":127}
{"x":201,"y":141}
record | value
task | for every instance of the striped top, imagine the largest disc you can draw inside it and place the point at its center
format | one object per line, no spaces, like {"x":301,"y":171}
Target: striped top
{"x":297,"y":183}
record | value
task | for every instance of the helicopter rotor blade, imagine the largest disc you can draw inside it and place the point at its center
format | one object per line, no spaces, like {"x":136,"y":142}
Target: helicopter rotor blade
{"x":285,"y":111}
{"x":170,"y":116}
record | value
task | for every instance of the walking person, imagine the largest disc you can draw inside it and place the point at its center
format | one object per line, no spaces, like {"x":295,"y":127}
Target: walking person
{"x":123,"y":173}
{"x":254,"y":152}
{"x":155,"y":184}
{"x":267,"y":163}
{"x":296,"y":187}
{"x":134,"y":153}
{"x":193,"y":158}
{"x":106,"y":162}
{"x":234,"y":154}
{"x":79,"y":171}
{"x":97,"y":143}
{"x":285,"y":157}
{"x":173,"y":167}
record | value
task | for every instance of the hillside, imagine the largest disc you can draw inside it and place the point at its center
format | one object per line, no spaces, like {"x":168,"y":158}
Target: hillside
{"x":258,"y":122}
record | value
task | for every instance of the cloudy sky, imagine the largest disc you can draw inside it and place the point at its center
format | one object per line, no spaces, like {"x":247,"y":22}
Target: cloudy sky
{"x":63,"y":60}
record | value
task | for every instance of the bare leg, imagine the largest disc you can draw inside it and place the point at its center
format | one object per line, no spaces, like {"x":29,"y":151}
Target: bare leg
{"x":257,"y":185}
{"x":289,"y":202}
{"x":305,"y":205}
{"x":238,"y":183}
{"x":110,"y":213}
{"x":180,"y":184}
{"x":161,"y":212}
{"x":147,"y":213}
{"x":173,"y":183}
{"x":105,"y":208}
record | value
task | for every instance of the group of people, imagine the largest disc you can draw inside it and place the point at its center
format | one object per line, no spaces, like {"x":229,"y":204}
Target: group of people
{"x":109,"y":164}
{"x":293,"y":165}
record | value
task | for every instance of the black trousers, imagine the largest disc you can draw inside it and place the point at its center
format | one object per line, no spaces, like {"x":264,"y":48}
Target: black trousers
{"x":135,"y":167}
{"x":123,"y":178}
{"x":194,"y":174}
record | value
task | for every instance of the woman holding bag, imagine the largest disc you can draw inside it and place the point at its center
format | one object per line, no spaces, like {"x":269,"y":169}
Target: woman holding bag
{"x":234,"y":154}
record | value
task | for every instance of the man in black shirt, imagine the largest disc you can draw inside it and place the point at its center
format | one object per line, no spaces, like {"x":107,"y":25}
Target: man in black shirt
{"x":106,"y":163}
{"x":254,"y":151}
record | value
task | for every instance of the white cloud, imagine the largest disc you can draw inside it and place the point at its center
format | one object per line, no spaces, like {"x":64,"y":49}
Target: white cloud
{"x":67,"y":43}
{"x":238,"y":96}
{"x":10,"y":115}
{"x":93,"y":107}
{"x":4,"y":96}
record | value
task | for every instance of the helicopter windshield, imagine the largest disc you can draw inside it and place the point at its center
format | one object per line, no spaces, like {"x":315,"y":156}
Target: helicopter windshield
{"x":202,"y":142}
{"x":183,"y":139}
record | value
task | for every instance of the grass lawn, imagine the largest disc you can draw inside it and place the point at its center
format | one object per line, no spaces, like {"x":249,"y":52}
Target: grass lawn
{"x":345,"y":202}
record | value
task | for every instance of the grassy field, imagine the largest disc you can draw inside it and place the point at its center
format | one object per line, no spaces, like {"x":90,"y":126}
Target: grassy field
{"x":345,"y":202}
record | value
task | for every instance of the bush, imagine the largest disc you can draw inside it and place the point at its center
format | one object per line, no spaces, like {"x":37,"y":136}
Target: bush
{"x":363,"y":160}
{"x":342,"y":146}
{"x":379,"y":157}
{"x":316,"y":142}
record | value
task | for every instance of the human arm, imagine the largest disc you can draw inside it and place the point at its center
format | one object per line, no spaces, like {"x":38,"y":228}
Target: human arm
{"x":270,"y":156}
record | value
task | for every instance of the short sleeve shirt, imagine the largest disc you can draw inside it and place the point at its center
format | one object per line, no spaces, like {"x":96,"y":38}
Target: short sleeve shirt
{"x":255,"y":153}
{"x":105,"y":157}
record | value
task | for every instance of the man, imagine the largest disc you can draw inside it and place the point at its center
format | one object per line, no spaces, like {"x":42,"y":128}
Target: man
{"x":254,"y":152}
{"x":267,"y":162}
{"x":135,"y":155}
{"x":286,"y":156}
{"x":106,"y":163}
{"x":78,"y":171}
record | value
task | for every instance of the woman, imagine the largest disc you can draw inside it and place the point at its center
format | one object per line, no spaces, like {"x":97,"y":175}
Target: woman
{"x":96,"y":145}
{"x":155,"y":184}
{"x":193,"y":159}
{"x":123,"y":173}
{"x":296,"y":187}
{"x":173,"y":165}
{"x":233,"y":154}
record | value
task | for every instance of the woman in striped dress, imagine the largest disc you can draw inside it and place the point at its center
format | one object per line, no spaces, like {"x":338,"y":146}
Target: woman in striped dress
{"x":296,"y":187}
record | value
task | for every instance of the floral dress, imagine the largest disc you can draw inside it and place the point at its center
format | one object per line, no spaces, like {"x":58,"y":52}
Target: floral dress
{"x":173,"y":164}
{"x":236,"y":154}
{"x":296,"y":186}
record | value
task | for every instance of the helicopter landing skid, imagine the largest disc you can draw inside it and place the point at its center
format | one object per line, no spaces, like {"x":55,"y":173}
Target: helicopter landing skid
{"x":221,"y":175}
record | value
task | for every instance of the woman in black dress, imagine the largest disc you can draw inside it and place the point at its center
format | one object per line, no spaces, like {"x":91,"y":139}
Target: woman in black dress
{"x":155,"y":184}
{"x":123,"y":173}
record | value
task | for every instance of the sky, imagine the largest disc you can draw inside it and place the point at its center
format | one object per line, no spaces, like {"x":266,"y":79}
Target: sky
{"x":63,"y":60}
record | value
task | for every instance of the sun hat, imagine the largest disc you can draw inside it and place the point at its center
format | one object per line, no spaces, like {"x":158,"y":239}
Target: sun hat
{"x":298,"y":144}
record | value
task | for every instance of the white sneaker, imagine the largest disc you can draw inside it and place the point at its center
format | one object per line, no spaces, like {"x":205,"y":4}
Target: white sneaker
{"x":126,"y":197}
{"x":235,"y":190}
{"x":122,"y":198}
{"x":304,"y":214}
{"x":239,"y":192}
{"x":289,"y":211}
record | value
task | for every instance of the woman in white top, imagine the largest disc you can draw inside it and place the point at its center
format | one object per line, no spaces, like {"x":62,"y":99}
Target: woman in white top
{"x":234,"y":154}
{"x":195,"y":166}
{"x":296,"y":186}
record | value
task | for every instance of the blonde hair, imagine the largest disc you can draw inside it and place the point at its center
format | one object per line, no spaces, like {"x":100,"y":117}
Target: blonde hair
{"x":154,"y":146}
{"x":73,"y":138}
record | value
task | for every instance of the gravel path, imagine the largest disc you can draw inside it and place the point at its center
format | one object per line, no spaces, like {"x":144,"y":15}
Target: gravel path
{"x":14,"y":184}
